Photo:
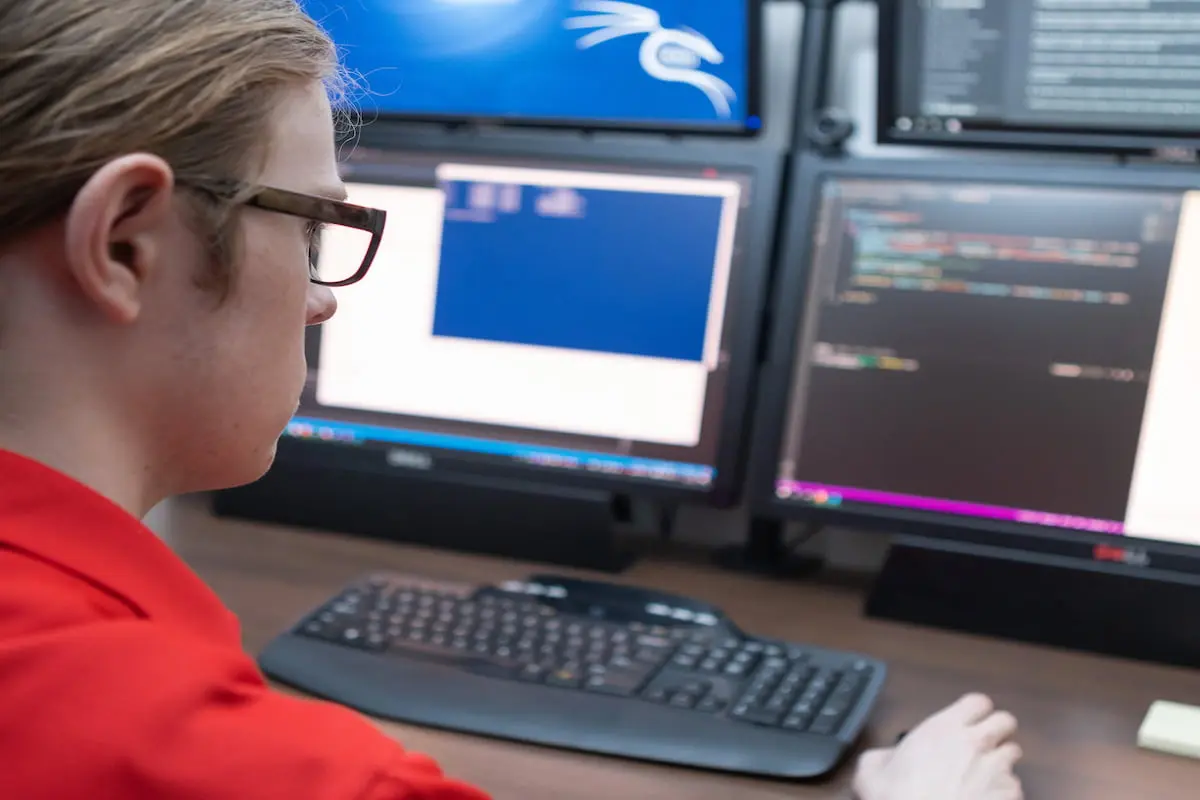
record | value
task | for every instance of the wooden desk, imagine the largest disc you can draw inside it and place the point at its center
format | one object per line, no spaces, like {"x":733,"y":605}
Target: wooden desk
{"x":1079,"y":713}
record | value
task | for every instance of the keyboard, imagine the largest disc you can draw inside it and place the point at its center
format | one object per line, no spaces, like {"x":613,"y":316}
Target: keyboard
{"x":582,"y":665}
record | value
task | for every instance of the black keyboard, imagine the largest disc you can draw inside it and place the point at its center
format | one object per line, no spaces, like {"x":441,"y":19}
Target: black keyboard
{"x":582,"y":665}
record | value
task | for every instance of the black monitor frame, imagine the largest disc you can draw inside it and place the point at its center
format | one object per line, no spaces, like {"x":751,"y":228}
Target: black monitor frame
{"x":1103,"y":551}
{"x":755,"y":72}
{"x":763,"y":166}
{"x":1077,"y":139}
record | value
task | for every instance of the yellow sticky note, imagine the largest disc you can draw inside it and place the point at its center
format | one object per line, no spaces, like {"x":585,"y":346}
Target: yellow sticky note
{"x":1171,"y":728}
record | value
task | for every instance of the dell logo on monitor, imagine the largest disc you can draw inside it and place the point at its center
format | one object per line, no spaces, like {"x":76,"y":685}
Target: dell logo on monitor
{"x":410,"y":459}
{"x":1121,"y":555}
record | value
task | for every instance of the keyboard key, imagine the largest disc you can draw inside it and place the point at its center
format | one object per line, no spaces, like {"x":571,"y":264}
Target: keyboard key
{"x":757,"y":715}
{"x":657,"y":695}
{"x":533,"y":673}
{"x":845,"y":694}
{"x":565,"y":678}
{"x":804,"y":708}
{"x":658,"y":642}
{"x":796,"y":722}
{"x":683,"y":700}
{"x":318,"y":629}
{"x":623,"y":683}
{"x":837,"y":709}
{"x":824,"y":725}
{"x":777,"y":704}
{"x":711,"y":705}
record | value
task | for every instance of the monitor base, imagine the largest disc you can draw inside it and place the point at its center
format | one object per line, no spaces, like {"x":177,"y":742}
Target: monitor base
{"x":528,"y":522}
{"x":1020,"y":596}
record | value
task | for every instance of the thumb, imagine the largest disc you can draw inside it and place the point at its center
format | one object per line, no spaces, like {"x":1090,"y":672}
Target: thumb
{"x":869,"y":772}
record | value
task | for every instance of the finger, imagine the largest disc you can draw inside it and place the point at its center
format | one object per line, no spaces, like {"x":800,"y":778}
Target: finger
{"x":1010,"y":789}
{"x":969,"y":709}
{"x":869,"y":774}
{"x":874,"y":760}
{"x":1005,"y":756}
{"x":995,"y":729}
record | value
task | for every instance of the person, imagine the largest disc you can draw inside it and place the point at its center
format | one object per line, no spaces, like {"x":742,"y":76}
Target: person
{"x":164,"y":168}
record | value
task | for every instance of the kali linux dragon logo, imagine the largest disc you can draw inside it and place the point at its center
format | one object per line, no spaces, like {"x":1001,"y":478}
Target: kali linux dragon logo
{"x":673,"y":55}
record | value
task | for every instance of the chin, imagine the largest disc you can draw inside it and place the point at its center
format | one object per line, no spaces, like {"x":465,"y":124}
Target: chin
{"x":251,"y":468}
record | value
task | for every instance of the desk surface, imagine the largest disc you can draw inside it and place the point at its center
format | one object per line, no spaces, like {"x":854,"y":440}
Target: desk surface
{"x":1079,"y":713}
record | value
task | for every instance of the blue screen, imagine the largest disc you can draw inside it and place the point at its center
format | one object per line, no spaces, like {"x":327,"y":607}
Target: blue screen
{"x":671,"y":62}
{"x":611,"y":271}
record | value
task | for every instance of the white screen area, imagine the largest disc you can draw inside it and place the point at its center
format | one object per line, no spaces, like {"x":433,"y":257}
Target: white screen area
{"x":1164,"y":502}
{"x":379,"y":352}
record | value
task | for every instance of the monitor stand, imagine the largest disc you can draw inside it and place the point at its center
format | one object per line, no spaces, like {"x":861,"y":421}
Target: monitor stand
{"x":767,"y":553}
{"x":512,"y":518}
{"x":1033,"y":598}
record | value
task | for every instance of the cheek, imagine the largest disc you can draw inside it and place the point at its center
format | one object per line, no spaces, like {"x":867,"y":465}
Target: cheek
{"x":277,"y":298}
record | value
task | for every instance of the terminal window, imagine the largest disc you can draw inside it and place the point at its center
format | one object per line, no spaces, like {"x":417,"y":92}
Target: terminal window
{"x":1119,"y":64}
{"x":571,"y":302}
{"x":1014,"y":346}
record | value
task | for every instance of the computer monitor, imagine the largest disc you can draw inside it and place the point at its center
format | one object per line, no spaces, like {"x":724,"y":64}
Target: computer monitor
{"x":584,"y":321}
{"x":991,"y":356}
{"x":670,"y":65}
{"x":1117,"y":77}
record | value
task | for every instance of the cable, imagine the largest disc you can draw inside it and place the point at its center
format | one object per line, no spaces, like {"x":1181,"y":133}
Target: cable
{"x":666,"y":523}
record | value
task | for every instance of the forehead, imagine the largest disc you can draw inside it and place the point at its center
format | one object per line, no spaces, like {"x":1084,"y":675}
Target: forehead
{"x":302,"y":155}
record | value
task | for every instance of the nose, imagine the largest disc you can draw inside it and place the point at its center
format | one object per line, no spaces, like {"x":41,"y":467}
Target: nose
{"x":321,"y":304}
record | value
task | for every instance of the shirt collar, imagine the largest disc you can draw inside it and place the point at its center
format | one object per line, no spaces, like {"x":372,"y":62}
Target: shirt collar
{"x":63,"y":522}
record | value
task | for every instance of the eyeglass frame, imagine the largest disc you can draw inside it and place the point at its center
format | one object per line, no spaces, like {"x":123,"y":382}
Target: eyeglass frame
{"x":312,"y":207}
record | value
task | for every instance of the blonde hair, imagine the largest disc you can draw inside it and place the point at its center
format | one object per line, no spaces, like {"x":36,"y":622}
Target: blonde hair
{"x":192,"y":81}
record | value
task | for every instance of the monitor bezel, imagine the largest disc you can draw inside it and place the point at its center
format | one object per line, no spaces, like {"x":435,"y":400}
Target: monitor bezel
{"x":1078,"y":139}
{"x":790,"y":296}
{"x":765,"y":169}
{"x":739,"y":129}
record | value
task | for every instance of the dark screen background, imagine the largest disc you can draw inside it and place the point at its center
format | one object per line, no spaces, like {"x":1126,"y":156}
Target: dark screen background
{"x":982,"y":418}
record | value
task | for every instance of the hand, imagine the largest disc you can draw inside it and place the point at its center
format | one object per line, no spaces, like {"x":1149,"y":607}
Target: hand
{"x":960,"y":753}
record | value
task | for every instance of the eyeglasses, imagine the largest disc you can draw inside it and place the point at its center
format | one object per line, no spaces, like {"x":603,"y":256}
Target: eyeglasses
{"x":343,"y":223}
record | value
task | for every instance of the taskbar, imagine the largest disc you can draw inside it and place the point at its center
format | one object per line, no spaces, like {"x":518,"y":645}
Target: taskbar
{"x":827,"y":496}
{"x":353,"y":433}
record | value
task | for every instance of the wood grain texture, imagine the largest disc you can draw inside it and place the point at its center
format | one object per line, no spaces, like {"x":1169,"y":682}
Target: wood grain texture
{"x":1079,"y":713}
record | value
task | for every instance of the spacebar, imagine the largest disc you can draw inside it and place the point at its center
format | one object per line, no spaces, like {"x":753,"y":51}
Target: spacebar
{"x":623,"y":682}
{"x":490,"y":667}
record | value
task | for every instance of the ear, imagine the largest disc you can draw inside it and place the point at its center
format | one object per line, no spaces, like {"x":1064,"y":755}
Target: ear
{"x":118,"y":231}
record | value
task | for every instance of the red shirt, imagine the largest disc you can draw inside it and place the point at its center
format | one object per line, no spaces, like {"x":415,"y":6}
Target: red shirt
{"x":122,"y":676}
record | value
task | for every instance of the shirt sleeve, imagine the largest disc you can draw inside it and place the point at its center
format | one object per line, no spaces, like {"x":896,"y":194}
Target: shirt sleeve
{"x":122,"y":710}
